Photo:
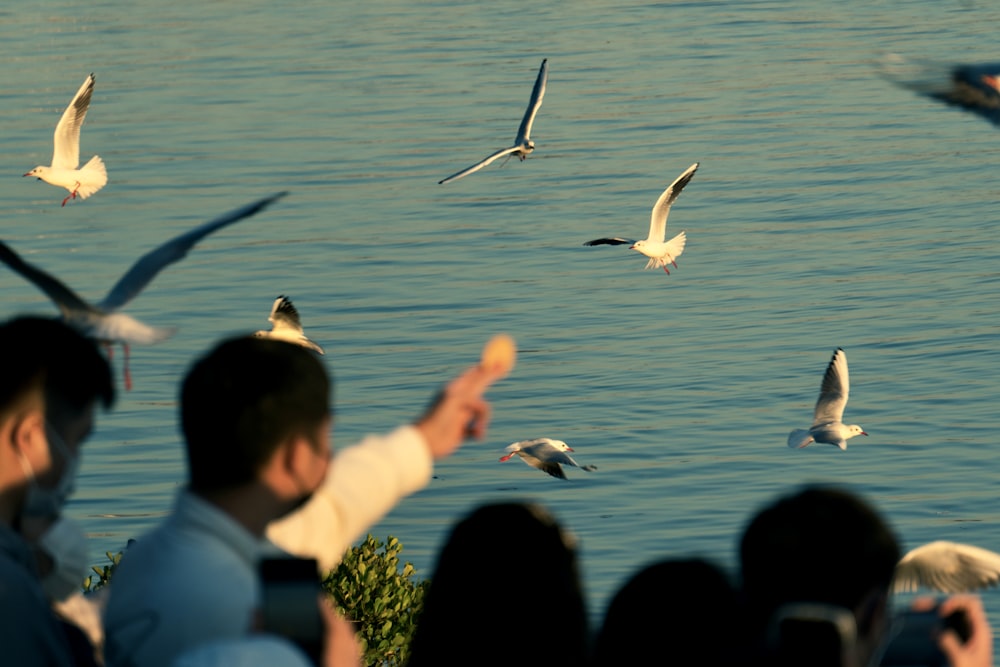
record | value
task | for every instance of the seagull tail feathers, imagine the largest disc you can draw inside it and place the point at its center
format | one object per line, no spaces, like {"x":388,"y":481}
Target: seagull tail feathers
{"x":799,"y":438}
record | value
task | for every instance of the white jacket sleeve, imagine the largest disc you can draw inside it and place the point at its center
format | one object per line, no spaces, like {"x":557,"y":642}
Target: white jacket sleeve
{"x":364,"y":482}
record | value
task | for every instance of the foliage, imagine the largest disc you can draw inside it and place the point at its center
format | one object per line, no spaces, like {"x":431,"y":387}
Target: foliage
{"x":384,"y":602}
{"x":103,"y":573}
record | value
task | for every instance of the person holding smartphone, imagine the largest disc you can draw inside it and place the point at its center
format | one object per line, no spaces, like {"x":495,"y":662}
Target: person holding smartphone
{"x":817,"y":567}
{"x":256,"y":419}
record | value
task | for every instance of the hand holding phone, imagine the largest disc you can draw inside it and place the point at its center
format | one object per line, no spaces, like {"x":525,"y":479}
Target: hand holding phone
{"x":290,"y":598}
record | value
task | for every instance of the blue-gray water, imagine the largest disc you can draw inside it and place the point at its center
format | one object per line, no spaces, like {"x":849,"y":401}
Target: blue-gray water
{"x":831,"y":209}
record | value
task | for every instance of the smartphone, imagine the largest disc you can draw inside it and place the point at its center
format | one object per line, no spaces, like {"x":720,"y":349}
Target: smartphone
{"x":290,"y":602}
{"x":915,"y":638}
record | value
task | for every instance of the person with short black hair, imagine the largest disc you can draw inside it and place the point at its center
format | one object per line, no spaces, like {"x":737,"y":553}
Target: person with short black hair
{"x":256,"y":419}
{"x":830,"y":551}
{"x":54,"y":378}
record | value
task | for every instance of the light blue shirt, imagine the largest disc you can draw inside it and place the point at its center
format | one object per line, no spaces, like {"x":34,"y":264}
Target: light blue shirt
{"x":191,"y":580}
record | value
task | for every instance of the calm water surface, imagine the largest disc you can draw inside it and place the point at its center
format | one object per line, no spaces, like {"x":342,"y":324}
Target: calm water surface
{"x":831,"y":209}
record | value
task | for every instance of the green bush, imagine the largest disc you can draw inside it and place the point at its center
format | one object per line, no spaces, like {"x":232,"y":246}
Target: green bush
{"x":368,"y":587}
{"x":103,"y":573}
{"x":384,"y":602}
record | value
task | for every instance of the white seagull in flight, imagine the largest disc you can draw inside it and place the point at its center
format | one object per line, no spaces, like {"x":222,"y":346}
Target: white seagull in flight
{"x":545,"y":454}
{"x":523,"y":145}
{"x":103,"y":321}
{"x":63,"y":171}
{"x":949,"y":567}
{"x":660,"y":253}
{"x":827,"y":425}
{"x":286,"y":325}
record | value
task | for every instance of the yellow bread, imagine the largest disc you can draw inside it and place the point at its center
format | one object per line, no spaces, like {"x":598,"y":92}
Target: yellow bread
{"x":499,"y":354}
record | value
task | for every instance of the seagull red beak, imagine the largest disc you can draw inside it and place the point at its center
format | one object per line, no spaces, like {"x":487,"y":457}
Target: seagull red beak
{"x":28,"y":174}
{"x":863,"y":433}
{"x":570,"y":449}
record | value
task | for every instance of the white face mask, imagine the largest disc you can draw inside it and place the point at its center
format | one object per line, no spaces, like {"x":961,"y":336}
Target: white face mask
{"x":66,"y":545}
{"x":45,"y":502}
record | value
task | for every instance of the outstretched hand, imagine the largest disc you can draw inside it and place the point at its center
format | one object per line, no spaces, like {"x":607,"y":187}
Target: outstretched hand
{"x":459,"y":411}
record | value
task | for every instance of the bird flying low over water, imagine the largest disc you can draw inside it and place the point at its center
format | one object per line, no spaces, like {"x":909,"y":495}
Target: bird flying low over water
{"x":545,"y":454}
{"x":63,"y":171}
{"x":827,"y":425}
{"x":103,"y":321}
{"x":948,"y":567}
{"x":975,"y":88}
{"x":286,"y":325}
{"x":659,"y":252}
{"x":523,"y":145}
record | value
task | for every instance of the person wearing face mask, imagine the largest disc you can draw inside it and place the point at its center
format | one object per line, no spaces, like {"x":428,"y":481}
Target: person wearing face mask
{"x":256,"y":418}
{"x":53,"y":380}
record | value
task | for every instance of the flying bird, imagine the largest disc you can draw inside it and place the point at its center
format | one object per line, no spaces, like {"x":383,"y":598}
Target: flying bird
{"x":523,"y":145}
{"x":104,"y":321}
{"x":660,"y":253}
{"x":63,"y":171}
{"x":827,"y":425}
{"x":286,"y":325}
{"x":948,"y":567}
{"x":545,"y":454}
{"x":975,"y":88}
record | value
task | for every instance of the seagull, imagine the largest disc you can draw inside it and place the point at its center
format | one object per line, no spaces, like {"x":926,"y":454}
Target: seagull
{"x":286,"y":325}
{"x":523,"y":145}
{"x":103,"y":321}
{"x":63,"y":171}
{"x":975,"y":88}
{"x":948,"y":567}
{"x":827,"y":426}
{"x":545,"y":454}
{"x":653,"y":246}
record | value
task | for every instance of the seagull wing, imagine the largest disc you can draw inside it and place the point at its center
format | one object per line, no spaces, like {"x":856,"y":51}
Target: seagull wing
{"x":480,"y":165}
{"x":66,"y":154}
{"x":658,"y":220}
{"x":965,"y":86}
{"x":150,"y":264}
{"x":612,"y":241}
{"x":65,"y":298}
{"x":948,"y":567}
{"x":284,"y":315}
{"x":833,"y":392}
{"x":537,"y":93}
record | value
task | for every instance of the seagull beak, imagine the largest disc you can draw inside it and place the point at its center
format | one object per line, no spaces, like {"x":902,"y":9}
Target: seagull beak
{"x":28,"y":174}
{"x":631,"y":247}
{"x":863,"y":433}
{"x":570,"y":449}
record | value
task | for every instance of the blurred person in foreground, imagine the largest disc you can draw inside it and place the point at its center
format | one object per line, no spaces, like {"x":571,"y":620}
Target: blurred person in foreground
{"x":505,"y":591}
{"x":256,"y":417}
{"x":671,"y":603}
{"x":829,"y":550}
{"x":53,"y":380}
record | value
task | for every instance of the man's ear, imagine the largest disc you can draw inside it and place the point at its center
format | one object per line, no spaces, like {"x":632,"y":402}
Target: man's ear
{"x":28,"y":434}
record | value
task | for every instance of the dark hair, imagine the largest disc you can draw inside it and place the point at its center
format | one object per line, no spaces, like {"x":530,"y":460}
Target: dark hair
{"x":672,"y":603}
{"x":241,"y":400}
{"x":50,"y":355}
{"x":504,"y":566}
{"x":817,"y":545}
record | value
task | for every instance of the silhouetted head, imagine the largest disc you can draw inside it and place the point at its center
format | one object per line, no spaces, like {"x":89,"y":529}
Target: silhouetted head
{"x":819,"y":545}
{"x":681,"y":603}
{"x":505,"y":591}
